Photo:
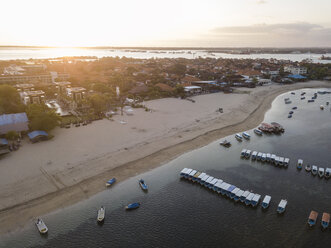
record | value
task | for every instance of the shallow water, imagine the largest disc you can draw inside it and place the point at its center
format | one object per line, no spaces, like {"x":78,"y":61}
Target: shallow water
{"x":176,"y":213}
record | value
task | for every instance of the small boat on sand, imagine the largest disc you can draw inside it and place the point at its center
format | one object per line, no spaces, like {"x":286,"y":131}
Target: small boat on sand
{"x":281,"y":206}
{"x":314,"y":170}
{"x":312,"y":218}
{"x":266,"y":201}
{"x":325,"y":220}
{"x":308,"y":168}
{"x":111,"y":182}
{"x":225,"y":143}
{"x":321,"y":172}
{"x":238,"y":137}
{"x":132,"y":206}
{"x":143,"y":185}
{"x":101,"y":214}
{"x":42,"y":228}
{"x":258,"y":132}
{"x":299,"y":164}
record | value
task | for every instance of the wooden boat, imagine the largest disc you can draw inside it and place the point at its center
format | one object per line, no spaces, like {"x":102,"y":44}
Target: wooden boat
{"x":281,"y":206}
{"x":143,"y":185}
{"x":314,"y":170}
{"x":312,"y":218}
{"x":277,"y":127}
{"x":265,"y":127}
{"x":321,"y":172}
{"x":101,"y":214}
{"x":132,"y":206}
{"x":325,"y":220}
{"x":42,"y":228}
{"x":110,"y":182}
{"x":299,"y":164}
{"x":308,"y":168}
{"x":225,"y":143}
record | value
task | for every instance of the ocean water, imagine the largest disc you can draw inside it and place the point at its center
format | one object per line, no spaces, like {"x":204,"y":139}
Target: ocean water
{"x":177,"y":213}
{"x":13,"y":53}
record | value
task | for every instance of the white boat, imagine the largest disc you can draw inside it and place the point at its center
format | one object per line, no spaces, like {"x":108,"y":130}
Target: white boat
{"x":238,"y":137}
{"x":249,"y":199}
{"x":259,"y":156}
{"x":225,"y":143}
{"x":321,"y":172}
{"x":264,"y":157}
{"x":203,"y":180}
{"x":248,"y":154}
{"x":234,"y":193}
{"x":254,"y":154}
{"x":183,"y":172}
{"x":327,"y":173}
{"x":314,"y":170}
{"x":243,"y":152}
{"x":300,"y":164}
{"x":208,"y":181}
{"x":281,"y":161}
{"x":238,"y":195}
{"x":268,"y":157}
{"x":42,"y":228}
{"x":191,"y":174}
{"x":255,"y":200}
{"x":266,"y":201}
{"x":273,"y":157}
{"x":188,"y":171}
{"x":212,"y":183}
{"x":258,"y":132}
{"x":286,"y":162}
{"x":101,"y":214}
{"x":201,"y":176}
{"x":246,"y":135}
{"x":244,"y":196}
{"x":276,"y":160}
{"x":282,"y":206}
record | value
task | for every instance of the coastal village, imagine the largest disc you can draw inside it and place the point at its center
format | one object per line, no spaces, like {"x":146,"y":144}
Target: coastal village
{"x":38,"y":95}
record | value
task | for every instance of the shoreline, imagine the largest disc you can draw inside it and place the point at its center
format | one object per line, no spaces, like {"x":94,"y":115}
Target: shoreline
{"x":196,"y":138}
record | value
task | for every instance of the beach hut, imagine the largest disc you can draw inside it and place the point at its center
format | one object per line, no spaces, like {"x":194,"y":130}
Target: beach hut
{"x":36,"y":136}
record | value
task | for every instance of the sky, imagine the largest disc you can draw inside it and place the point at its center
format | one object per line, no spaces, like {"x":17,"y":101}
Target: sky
{"x":170,"y":23}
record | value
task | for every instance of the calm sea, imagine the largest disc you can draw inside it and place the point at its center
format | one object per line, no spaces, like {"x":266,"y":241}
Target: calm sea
{"x":43,"y":53}
{"x":176,"y":213}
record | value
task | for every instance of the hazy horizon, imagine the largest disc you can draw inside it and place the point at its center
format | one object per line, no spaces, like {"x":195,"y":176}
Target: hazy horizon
{"x":147,"y":23}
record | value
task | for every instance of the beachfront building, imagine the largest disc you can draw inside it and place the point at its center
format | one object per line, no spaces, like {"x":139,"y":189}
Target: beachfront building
{"x":14,"y":122}
{"x":62,"y":87}
{"x":76,"y":93}
{"x":192,"y":90}
{"x":24,"y":87}
{"x":42,"y":78}
{"x":35,"y":96}
{"x":295,"y":70}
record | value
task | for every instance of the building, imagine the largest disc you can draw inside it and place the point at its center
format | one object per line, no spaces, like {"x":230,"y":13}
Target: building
{"x":43,"y":78}
{"x":295,"y":70}
{"x":13,"y":122}
{"x":24,"y":87}
{"x":62,"y":86}
{"x":35,"y":96}
{"x":191,"y":90}
{"x":76,"y":93}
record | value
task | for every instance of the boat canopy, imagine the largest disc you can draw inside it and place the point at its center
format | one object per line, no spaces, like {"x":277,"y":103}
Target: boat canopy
{"x":300,"y":161}
{"x":282,"y":204}
{"x":209,"y":179}
{"x":192,"y":173}
{"x":235,"y":191}
{"x":246,"y":193}
{"x":183,"y":171}
{"x":314,"y":167}
{"x":225,"y":186}
{"x":313,"y":215}
{"x":267,"y":199}
{"x":188,"y":171}
{"x":231,"y":188}
{"x":254,"y":153}
{"x":205,"y":178}
{"x":202,"y":175}
{"x":256,"y":198}
{"x":214,"y":181}
{"x":239,"y":193}
{"x":328,"y":170}
{"x":321,"y":169}
{"x":250,"y":196}
{"x":326,"y":217}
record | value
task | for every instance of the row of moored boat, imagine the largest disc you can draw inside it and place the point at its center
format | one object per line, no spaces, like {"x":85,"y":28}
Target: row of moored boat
{"x":226,"y":189}
{"x":312,"y":219}
{"x":265,"y":157}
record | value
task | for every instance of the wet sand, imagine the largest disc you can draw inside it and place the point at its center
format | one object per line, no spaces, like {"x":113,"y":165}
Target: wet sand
{"x":76,"y":163}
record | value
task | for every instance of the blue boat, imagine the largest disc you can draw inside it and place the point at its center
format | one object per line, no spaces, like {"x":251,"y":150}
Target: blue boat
{"x":312,"y":218}
{"x":111,"y":182}
{"x":143,"y":185}
{"x":294,"y":108}
{"x":291,"y":112}
{"x":132,"y":206}
{"x":289,"y":116}
{"x":325,"y":220}
{"x":281,"y":206}
{"x":311,"y":100}
{"x":266,"y":201}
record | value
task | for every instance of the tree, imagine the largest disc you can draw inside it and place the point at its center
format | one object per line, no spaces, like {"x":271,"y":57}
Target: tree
{"x":10,"y":101}
{"x":11,"y":135}
{"x":41,"y":117}
{"x":98,"y":102}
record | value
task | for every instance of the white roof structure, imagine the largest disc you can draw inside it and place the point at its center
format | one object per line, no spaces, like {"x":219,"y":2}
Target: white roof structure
{"x":254,"y":153}
{"x":282,"y":204}
{"x":267,"y":199}
{"x":235,"y":191}
{"x":192,"y":173}
{"x":239,"y":193}
{"x":286,"y":160}
{"x":188,"y":171}
{"x":214,"y":181}
{"x":205,"y":178}
{"x":321,"y":169}
{"x":256,"y":198}
{"x":209,"y":179}
{"x":250,"y":196}
{"x":202,"y":175}
{"x":183,"y":171}
{"x":314,"y":167}
{"x":246,"y":193}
